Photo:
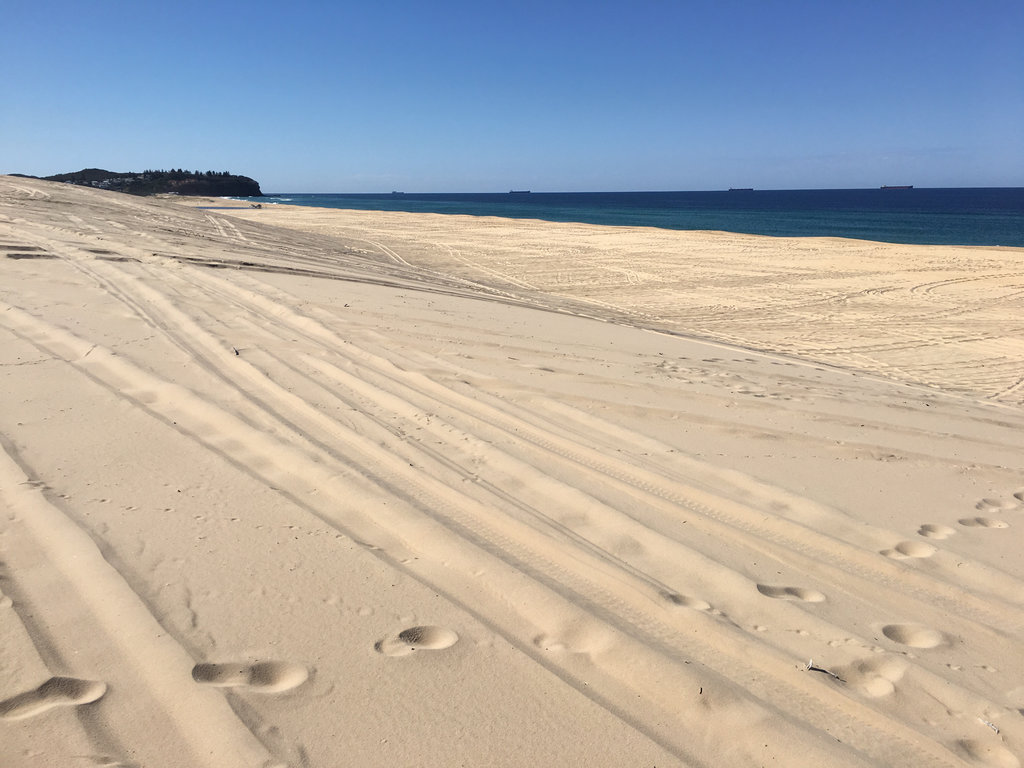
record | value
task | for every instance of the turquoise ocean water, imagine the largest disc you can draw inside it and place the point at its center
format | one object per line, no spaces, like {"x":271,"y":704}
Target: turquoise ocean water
{"x":963,"y":216}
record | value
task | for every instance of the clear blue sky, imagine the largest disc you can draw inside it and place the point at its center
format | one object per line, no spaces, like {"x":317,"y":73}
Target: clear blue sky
{"x":549,"y":95}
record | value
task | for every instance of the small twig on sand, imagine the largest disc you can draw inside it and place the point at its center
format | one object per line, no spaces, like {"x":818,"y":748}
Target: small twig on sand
{"x":811,"y":668}
{"x":993,"y":726}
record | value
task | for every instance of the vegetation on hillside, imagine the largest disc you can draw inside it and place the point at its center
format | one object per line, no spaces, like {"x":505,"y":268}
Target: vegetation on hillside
{"x":151,"y":182}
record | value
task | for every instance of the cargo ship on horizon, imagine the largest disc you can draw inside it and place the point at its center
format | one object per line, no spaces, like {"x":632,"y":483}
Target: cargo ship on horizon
{"x":897,"y":186}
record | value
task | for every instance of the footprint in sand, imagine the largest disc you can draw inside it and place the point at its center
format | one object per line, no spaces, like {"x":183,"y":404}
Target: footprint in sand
{"x":935,"y":531}
{"x":983,"y":522}
{"x":907,"y":549}
{"x":55,"y":692}
{"x":791,"y":593}
{"x":417,"y":639}
{"x":986,"y":505}
{"x":262,"y":677}
{"x":686,"y":602}
{"x":874,"y":677}
{"x":913,"y":635}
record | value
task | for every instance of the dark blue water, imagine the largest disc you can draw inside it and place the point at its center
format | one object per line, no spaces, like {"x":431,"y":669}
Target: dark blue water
{"x":970,"y":216}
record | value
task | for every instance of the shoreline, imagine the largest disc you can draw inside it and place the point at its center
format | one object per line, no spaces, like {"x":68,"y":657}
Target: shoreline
{"x":977,"y":217}
{"x":210,"y":203}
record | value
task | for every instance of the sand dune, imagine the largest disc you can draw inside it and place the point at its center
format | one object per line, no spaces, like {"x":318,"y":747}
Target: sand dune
{"x":942,"y":316}
{"x":313,"y":488}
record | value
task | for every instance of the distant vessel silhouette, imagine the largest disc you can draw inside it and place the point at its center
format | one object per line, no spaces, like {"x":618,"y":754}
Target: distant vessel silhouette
{"x":741,"y":189}
{"x":519,"y":191}
{"x":897,"y":186}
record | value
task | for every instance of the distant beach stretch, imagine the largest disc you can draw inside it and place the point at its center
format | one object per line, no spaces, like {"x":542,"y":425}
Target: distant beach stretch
{"x":895,"y":214}
{"x":314,"y":487}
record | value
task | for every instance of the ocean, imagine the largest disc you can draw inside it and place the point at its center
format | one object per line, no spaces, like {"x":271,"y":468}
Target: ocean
{"x":962,"y":216}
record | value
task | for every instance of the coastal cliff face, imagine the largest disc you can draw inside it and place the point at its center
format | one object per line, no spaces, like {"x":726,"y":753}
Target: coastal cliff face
{"x":215,"y":183}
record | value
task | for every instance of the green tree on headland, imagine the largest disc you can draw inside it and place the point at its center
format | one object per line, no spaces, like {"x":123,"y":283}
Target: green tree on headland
{"x":153,"y":182}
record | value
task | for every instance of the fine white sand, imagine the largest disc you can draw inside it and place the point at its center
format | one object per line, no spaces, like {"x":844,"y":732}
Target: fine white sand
{"x":320,"y":488}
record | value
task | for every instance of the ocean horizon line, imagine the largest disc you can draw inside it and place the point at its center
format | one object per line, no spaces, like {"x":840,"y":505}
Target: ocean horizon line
{"x":888,"y":187}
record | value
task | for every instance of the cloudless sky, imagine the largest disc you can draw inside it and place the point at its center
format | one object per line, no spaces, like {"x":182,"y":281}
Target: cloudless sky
{"x":548,"y":95}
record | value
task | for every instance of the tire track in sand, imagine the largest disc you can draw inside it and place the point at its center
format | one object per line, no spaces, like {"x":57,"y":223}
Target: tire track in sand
{"x":151,"y":668}
{"x":602,"y":599}
{"x":564,"y":435}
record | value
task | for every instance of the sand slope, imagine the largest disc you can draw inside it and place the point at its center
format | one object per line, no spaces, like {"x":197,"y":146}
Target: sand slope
{"x":944,"y":316}
{"x":275,"y":497}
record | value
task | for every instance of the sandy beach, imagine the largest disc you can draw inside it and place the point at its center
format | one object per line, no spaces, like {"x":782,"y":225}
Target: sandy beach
{"x":304,"y":487}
